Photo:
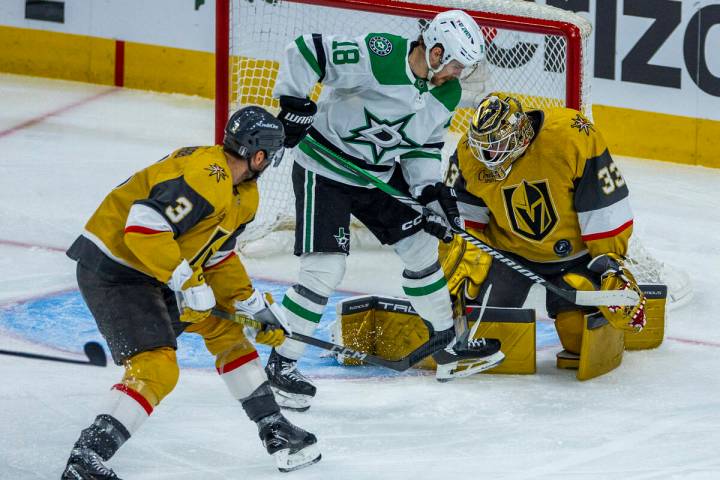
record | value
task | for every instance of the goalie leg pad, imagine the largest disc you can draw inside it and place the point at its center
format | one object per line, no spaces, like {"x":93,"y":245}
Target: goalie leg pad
{"x":602,"y":347}
{"x":569,"y":326}
{"x":652,"y":335}
{"x":390,"y":328}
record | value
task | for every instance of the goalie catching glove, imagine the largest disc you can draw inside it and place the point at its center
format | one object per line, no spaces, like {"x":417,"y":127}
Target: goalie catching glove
{"x":262,"y":308}
{"x":297,"y":115}
{"x":195,"y":297}
{"x":615,"y":276}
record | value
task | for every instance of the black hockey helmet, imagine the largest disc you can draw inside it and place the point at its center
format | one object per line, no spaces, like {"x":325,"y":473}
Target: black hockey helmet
{"x":251,"y":129}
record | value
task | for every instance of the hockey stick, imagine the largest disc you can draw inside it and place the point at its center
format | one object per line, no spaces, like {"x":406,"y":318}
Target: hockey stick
{"x":435,"y":343}
{"x":93,"y":351}
{"x":578,"y":297}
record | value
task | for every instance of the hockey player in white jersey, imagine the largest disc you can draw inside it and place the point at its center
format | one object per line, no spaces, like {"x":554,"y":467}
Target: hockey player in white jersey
{"x":387,"y":110}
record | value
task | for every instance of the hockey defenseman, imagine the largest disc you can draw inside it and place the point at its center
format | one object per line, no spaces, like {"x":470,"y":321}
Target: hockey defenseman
{"x":541,"y":187}
{"x":387,"y":105}
{"x":168,"y":233}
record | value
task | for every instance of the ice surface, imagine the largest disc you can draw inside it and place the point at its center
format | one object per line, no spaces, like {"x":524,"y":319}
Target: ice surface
{"x":64,"y":145}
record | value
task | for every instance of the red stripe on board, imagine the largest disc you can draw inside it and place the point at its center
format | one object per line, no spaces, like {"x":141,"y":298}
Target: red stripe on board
{"x":237,"y":363}
{"x":135,"y":396}
{"x":611,"y":233}
{"x":143,"y":230}
{"x":45,"y":116}
{"x":232,"y":254}
{"x":119,"y":63}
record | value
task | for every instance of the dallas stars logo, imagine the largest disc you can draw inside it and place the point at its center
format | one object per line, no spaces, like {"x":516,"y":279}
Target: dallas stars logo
{"x":343,"y":239}
{"x":382,"y":135}
{"x":582,"y":124}
{"x":217,"y":171}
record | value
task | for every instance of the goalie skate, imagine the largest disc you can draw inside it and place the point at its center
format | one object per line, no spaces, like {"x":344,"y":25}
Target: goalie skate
{"x":463,"y":359}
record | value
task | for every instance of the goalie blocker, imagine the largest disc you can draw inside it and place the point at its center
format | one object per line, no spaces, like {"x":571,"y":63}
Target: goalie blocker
{"x":389,"y":328}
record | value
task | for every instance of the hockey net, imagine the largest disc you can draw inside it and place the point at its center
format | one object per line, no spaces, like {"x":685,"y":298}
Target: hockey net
{"x":535,"y":52}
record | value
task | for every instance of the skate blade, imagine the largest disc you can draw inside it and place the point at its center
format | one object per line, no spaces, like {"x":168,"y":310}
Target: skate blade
{"x":292,"y":401}
{"x":463,"y":369}
{"x":287,"y":462}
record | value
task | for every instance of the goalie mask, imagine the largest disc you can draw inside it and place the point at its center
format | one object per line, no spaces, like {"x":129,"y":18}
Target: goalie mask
{"x":459,"y":36}
{"x":252,"y":129}
{"x":499,"y":133}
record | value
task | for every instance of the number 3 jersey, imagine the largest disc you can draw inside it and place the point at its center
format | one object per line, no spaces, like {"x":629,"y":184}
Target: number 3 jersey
{"x":182,"y":207}
{"x":375,"y":111}
{"x":564,"y":197}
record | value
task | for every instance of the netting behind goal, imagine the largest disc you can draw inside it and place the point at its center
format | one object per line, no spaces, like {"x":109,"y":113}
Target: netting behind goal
{"x":534,"y":52}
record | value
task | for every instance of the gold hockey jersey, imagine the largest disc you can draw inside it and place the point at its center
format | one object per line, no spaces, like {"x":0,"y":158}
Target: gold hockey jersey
{"x":182,"y":207}
{"x":564,"y":197}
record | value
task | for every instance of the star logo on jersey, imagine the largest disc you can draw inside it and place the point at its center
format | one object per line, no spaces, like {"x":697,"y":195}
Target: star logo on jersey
{"x":582,"y":124}
{"x":382,"y":135}
{"x":380,"y":45}
{"x":217,"y":171}
{"x":343,"y":239}
{"x":530,"y":209}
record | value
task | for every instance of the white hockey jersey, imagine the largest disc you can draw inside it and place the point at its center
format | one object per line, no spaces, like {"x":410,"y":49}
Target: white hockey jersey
{"x":376,"y":112}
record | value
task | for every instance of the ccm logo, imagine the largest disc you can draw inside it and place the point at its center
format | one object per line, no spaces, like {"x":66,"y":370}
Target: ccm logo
{"x":412,"y":223}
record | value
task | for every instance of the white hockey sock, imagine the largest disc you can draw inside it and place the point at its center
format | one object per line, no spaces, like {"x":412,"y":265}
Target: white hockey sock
{"x":243,"y":375}
{"x":128,"y":407}
{"x":429,"y":297}
{"x":303,"y":308}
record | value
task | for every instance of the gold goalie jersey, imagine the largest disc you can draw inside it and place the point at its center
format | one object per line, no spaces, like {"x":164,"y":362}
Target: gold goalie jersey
{"x":564,"y":197}
{"x":182,"y":207}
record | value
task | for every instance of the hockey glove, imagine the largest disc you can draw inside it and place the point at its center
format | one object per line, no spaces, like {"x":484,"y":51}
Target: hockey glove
{"x":297,"y":115}
{"x":436,"y":225}
{"x":440,"y":197}
{"x":262,"y":308}
{"x":615,"y":276}
{"x":195,"y":297}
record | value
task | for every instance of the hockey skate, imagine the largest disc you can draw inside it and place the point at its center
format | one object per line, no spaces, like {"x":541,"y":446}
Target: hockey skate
{"x":292,"y":389}
{"x":292,"y":447}
{"x":467,"y":357}
{"x":85,"y":464}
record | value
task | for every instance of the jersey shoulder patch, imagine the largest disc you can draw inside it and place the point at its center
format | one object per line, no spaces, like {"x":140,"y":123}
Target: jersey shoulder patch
{"x":206,"y":171}
{"x":388,"y":58}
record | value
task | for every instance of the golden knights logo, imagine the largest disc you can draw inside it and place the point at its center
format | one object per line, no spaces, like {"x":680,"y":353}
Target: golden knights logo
{"x":530,"y":209}
{"x":582,"y":124}
{"x":217,"y":171}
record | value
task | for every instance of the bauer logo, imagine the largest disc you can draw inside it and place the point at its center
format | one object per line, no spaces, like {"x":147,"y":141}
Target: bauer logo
{"x":380,"y":45}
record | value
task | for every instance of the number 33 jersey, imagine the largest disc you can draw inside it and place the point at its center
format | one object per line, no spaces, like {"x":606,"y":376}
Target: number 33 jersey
{"x":564,"y":197}
{"x":182,"y":207}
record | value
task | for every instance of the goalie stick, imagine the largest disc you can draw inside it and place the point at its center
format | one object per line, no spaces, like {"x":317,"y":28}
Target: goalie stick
{"x":93,"y":351}
{"x":435,"y":343}
{"x":591,"y":298}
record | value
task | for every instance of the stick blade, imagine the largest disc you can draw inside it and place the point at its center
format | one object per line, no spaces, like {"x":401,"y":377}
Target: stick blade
{"x":95,"y":354}
{"x":610,"y":298}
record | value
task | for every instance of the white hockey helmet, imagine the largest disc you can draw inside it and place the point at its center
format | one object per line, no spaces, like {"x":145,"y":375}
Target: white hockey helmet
{"x":459,"y":36}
